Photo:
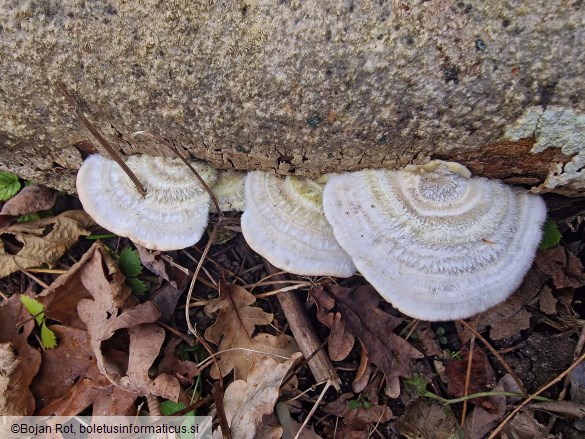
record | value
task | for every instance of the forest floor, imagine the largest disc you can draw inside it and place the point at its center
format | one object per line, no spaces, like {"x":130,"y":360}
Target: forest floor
{"x":514,"y":371}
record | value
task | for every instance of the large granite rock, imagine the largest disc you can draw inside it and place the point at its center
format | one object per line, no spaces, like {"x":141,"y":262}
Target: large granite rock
{"x":299,"y":86}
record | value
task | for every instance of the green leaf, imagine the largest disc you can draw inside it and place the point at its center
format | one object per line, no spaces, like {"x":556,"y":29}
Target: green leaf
{"x":367,"y":405}
{"x":354,"y":404}
{"x":169,"y":407}
{"x":138,"y":287}
{"x":129,"y":262}
{"x":28,"y":218}
{"x":551,"y":235}
{"x":34,"y":307}
{"x":9,"y":185}
{"x":48,"y":337}
{"x":419,"y":383}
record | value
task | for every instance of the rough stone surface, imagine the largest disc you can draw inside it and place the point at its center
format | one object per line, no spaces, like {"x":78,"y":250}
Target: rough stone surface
{"x":303,"y":87}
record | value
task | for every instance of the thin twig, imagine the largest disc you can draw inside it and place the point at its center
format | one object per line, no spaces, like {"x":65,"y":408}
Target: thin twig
{"x":467,"y":378}
{"x":186,"y":162}
{"x":223,"y":423}
{"x":36,"y":279}
{"x":46,"y":270}
{"x":179,"y":334}
{"x":321,"y":396}
{"x":498,"y":356}
{"x":531,"y":397}
{"x":217,"y":264}
{"x":93,"y":130}
{"x":203,"y":364}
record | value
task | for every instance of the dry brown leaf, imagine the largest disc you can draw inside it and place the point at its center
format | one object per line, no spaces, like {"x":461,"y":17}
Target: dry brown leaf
{"x":63,"y":366}
{"x":577,"y":380}
{"x":426,"y":419}
{"x":524,"y":426}
{"x":510,"y":317}
{"x":63,"y":295}
{"x":30,"y":199}
{"x":481,"y":421}
{"x":183,"y":370}
{"x":26,"y":245}
{"x":69,"y":381}
{"x":340,"y":340}
{"x":93,"y":390}
{"x":233,"y":328}
{"x":19,"y":362}
{"x":375,"y":328}
{"x":96,"y":288}
{"x":563,"y":266}
{"x":482,"y":376}
{"x":566,"y":409}
{"x":428,"y":339}
{"x":246,"y":402}
{"x":357,"y":422}
{"x":307,"y":433}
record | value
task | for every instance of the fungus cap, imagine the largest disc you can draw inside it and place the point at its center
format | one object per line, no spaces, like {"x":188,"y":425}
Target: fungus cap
{"x":172,"y":215}
{"x":229,"y":191}
{"x":283,"y":221}
{"x":434,"y":241}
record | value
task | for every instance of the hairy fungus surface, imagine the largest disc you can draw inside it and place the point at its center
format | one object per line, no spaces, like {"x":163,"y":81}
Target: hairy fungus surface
{"x":172,"y":215}
{"x":434,"y":241}
{"x":229,"y":191}
{"x":283,"y":221}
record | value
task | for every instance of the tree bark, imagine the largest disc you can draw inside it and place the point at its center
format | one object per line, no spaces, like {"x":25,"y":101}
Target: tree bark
{"x":299,"y":87}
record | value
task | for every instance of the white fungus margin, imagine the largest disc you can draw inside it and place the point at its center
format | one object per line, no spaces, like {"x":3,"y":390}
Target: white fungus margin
{"x":172,"y":215}
{"x":283,"y":221}
{"x":435,"y":242}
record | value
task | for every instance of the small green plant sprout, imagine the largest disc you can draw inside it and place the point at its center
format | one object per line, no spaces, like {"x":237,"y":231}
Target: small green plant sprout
{"x":441,"y":335}
{"x":551,"y":235}
{"x":37,"y":310}
{"x":131,"y":266}
{"x":9,"y":185}
{"x":418,"y":383}
{"x":360,"y":403}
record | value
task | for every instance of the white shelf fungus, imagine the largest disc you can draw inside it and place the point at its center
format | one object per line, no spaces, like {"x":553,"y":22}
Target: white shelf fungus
{"x":283,"y":221}
{"x":229,"y":191}
{"x":172,"y":215}
{"x":434,"y":241}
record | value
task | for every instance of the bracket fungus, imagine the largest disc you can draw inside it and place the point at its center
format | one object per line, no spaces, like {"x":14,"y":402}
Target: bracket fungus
{"x":172,"y":215}
{"x":229,"y":191}
{"x":283,"y":221}
{"x":434,"y":241}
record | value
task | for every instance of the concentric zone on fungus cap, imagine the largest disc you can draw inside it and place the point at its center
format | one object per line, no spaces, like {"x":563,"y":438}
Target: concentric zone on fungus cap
{"x":172,"y":215}
{"x":283,"y":221}
{"x":434,"y":241}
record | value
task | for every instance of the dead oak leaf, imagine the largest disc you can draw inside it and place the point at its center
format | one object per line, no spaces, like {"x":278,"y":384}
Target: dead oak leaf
{"x":69,"y":381}
{"x":30,"y":199}
{"x":184,"y":370}
{"x":563,"y":266}
{"x":481,"y":421}
{"x":233,"y":329}
{"x":104,"y":306}
{"x":95,"y":390}
{"x":482,"y":377}
{"x":356,"y":421}
{"x":64,"y":294}
{"x":360,"y":316}
{"x":426,"y":419}
{"x":19,"y":362}
{"x":247,"y":402}
{"x":25,"y":245}
{"x":510,"y":317}
{"x":62,"y":366}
